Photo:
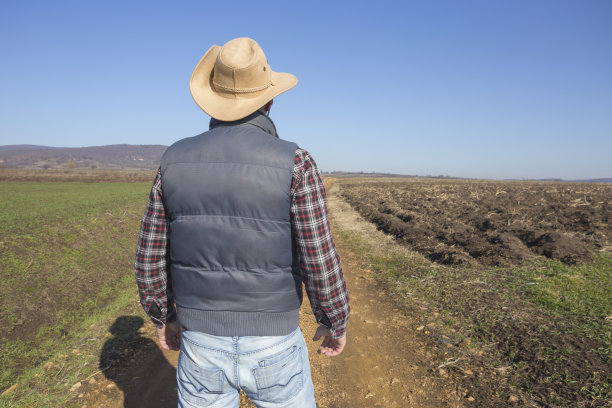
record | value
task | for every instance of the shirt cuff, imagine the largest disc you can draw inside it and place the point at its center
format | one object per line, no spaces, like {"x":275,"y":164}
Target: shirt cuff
{"x":158,"y":319}
{"x":338,"y":332}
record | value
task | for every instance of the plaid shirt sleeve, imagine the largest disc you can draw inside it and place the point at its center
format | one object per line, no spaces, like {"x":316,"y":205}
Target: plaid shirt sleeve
{"x":319,"y":260}
{"x":151,"y":259}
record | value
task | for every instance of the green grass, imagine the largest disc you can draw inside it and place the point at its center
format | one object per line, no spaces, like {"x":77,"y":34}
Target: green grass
{"x":580,"y":293}
{"x":581,"y":290}
{"x":66,"y":257}
{"x":70,"y":359}
{"x":28,"y":211}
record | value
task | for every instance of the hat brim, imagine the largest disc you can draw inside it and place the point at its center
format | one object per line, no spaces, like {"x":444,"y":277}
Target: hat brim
{"x":236,"y":106}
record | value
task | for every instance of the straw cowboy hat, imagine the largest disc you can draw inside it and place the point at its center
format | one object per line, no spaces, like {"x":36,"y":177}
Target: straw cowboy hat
{"x":235,"y":80}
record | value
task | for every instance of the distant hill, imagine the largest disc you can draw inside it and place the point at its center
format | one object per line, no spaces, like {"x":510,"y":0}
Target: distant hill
{"x":23,"y":147}
{"x":361,"y":174}
{"x":121,"y":156}
{"x":145,"y":157}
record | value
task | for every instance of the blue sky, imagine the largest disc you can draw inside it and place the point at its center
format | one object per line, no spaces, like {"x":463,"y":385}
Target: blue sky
{"x":487,"y":89}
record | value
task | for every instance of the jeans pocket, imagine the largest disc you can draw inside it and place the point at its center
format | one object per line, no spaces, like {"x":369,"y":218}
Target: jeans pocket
{"x":196,"y":384}
{"x":280,"y":377}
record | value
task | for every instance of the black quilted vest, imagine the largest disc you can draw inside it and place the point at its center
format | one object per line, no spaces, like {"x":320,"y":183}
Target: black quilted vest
{"x":227,"y":196}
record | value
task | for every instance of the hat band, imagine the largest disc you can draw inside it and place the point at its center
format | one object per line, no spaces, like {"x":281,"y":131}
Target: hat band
{"x":242,"y":90}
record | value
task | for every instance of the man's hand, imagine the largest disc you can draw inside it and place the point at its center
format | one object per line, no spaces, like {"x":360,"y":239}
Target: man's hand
{"x":170,"y":336}
{"x":330,"y":346}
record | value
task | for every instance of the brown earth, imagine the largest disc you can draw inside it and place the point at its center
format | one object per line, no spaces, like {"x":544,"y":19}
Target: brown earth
{"x":456,"y":222}
{"x":386,"y":363}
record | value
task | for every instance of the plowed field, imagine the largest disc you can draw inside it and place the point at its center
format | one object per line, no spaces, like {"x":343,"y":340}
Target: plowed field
{"x":520,"y":271}
{"x":491,"y":223}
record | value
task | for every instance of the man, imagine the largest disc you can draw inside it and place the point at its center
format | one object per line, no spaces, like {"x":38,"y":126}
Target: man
{"x":236,"y":221}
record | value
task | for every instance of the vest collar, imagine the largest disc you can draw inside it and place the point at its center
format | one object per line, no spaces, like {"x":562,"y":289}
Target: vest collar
{"x":256,"y":119}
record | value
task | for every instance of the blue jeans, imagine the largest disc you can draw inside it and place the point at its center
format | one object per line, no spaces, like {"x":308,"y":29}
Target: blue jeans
{"x":273,"y":371}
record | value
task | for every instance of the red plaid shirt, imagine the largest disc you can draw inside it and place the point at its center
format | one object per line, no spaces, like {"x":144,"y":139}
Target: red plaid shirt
{"x":319,"y":260}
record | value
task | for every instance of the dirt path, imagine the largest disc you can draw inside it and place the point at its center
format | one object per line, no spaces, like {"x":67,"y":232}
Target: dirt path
{"x":385,"y":364}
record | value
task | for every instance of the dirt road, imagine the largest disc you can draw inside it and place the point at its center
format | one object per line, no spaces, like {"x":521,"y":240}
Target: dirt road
{"x":385,"y":363}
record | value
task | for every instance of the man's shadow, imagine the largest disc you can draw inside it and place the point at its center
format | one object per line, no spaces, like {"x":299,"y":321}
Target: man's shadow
{"x":137,"y":366}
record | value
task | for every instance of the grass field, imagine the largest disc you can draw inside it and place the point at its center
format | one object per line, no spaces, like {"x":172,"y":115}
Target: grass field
{"x":76,"y":175}
{"x":66,"y":256}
